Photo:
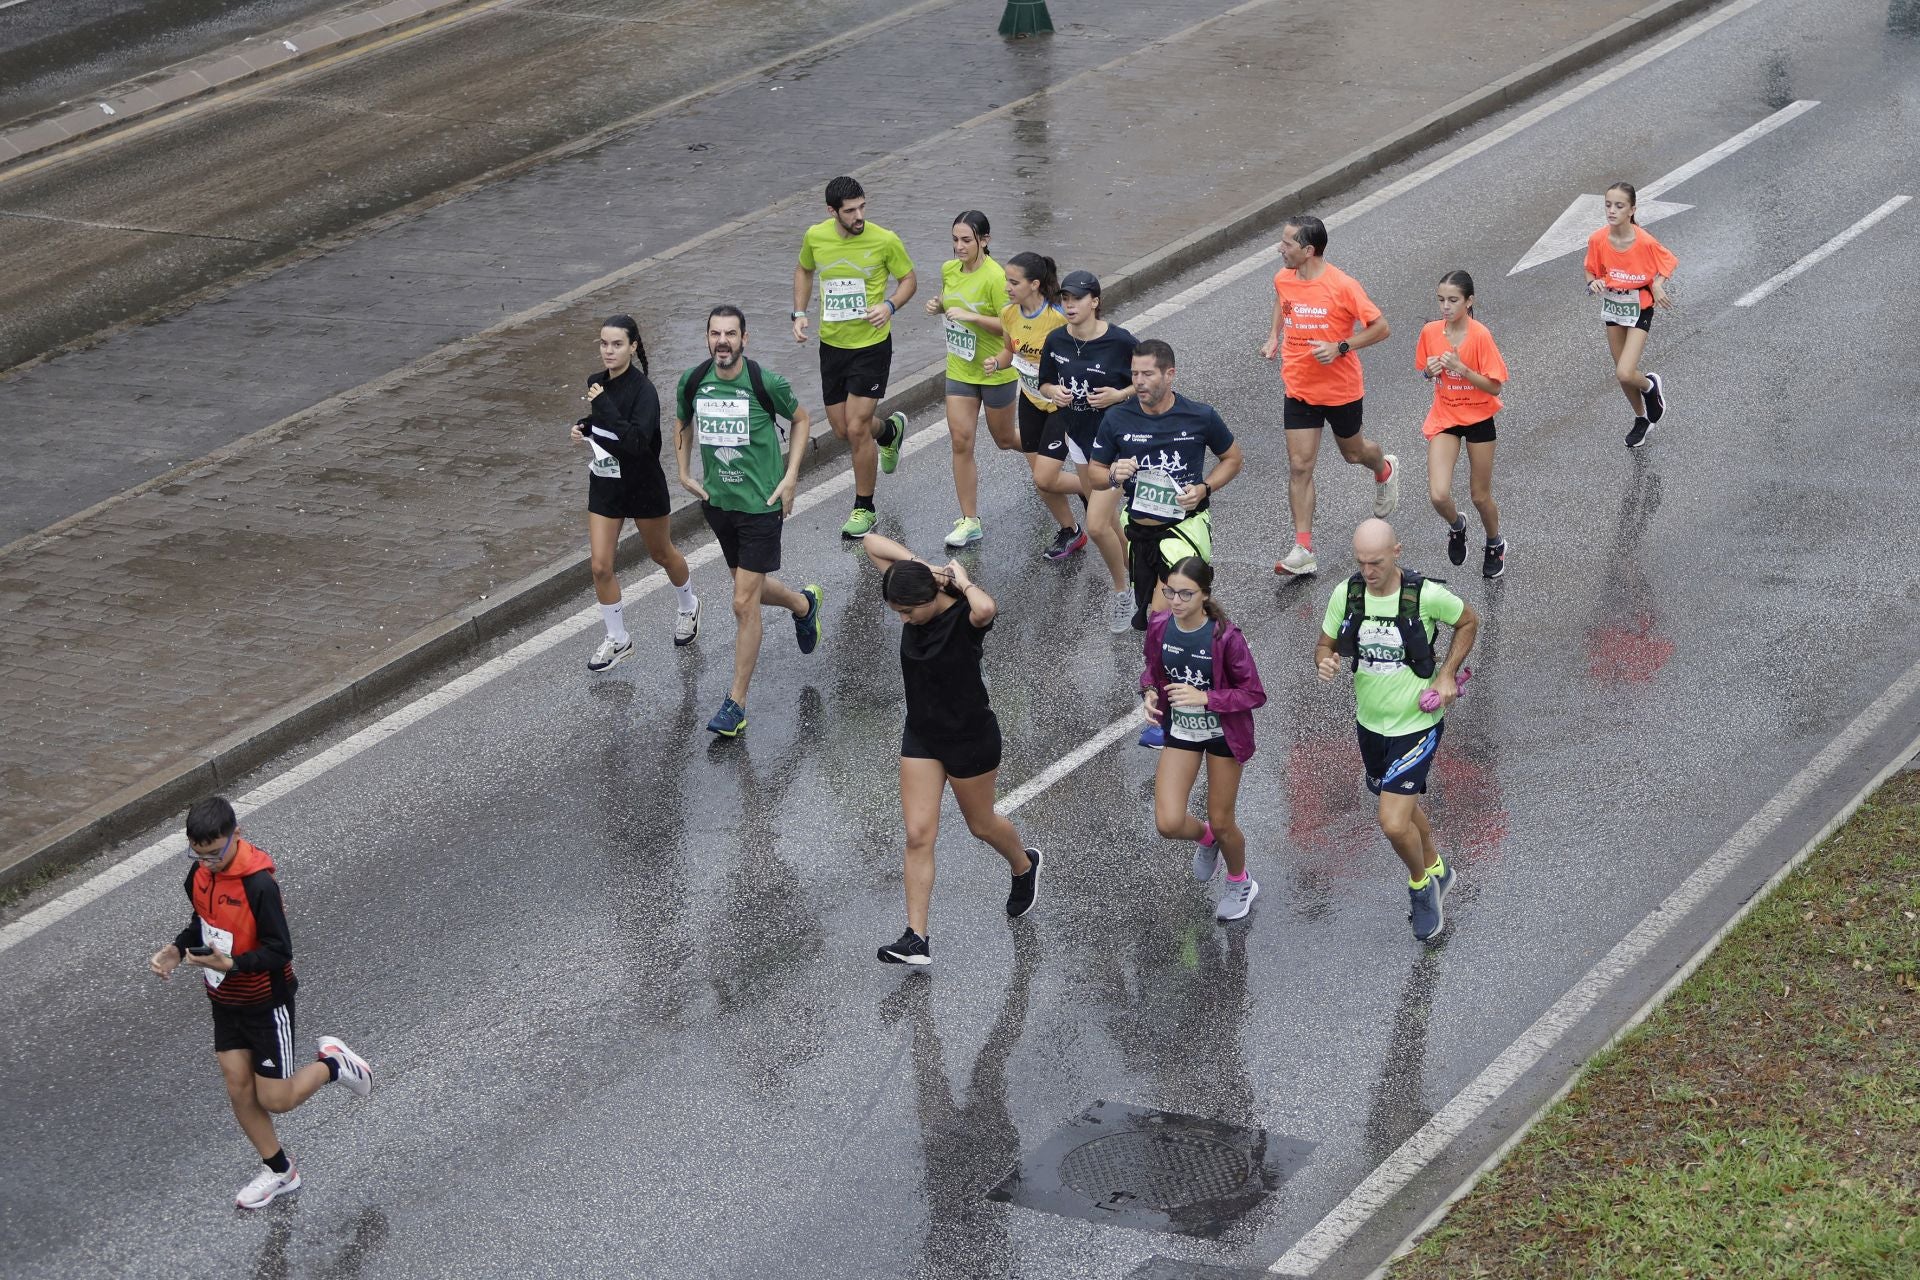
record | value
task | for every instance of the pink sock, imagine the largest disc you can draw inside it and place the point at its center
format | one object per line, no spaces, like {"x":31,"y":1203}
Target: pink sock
{"x":1381,"y":477}
{"x":1206,"y":833}
{"x":1239,"y":879}
{"x":1304,"y":539}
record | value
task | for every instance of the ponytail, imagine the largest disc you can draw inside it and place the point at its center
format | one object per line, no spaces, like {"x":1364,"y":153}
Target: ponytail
{"x":1043,"y":271}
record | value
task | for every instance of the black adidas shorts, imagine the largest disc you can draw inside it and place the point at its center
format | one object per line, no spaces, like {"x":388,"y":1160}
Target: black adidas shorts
{"x":265,"y":1031}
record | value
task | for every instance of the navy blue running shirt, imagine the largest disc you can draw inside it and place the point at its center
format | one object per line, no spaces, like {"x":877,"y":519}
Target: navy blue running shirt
{"x":1173,"y":444}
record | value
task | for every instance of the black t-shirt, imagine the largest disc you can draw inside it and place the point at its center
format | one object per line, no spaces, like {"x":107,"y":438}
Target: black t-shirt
{"x":629,"y":411}
{"x":1105,"y":361}
{"x":940,"y":666}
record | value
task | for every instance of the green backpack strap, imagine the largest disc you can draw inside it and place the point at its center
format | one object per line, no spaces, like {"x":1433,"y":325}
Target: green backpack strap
{"x":1347,"y":643}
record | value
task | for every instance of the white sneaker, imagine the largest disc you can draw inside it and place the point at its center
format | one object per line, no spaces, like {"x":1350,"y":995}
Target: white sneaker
{"x":1298,"y":563}
{"x":609,"y":654}
{"x":1120,"y":613}
{"x":686,"y":626}
{"x":1386,"y":493}
{"x":267,"y":1184}
{"x":1236,"y":899}
{"x":355,"y":1073}
{"x":1206,"y":860}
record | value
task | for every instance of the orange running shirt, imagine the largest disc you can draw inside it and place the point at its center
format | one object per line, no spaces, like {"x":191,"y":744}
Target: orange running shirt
{"x":1332,"y":307}
{"x":1634,"y":269}
{"x":1457,"y":402}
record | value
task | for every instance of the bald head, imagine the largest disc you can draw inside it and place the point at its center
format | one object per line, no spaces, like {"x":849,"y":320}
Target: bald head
{"x":1378,"y":552}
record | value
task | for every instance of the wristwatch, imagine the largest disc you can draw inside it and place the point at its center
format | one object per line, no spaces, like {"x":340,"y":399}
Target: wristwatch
{"x":798,"y":315}
{"x":1345,"y":347}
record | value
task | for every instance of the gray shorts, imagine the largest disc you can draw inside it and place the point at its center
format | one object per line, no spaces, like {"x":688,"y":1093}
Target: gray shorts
{"x":994,"y":397}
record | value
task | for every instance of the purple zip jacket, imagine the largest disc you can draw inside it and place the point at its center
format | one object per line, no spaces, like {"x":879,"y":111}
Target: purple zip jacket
{"x":1236,"y":685}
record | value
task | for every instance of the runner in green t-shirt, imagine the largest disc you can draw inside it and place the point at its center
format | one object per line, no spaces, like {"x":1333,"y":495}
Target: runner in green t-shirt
{"x":1397,"y":738}
{"x":854,"y":260}
{"x":973,"y":290}
{"x":745,"y":491}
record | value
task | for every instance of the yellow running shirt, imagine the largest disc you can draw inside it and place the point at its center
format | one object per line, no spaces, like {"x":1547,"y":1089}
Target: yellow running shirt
{"x":1026,"y":337}
{"x":853,"y":273}
{"x":982,"y":291}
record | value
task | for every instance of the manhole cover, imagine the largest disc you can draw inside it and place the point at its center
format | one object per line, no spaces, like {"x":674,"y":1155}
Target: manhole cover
{"x":1152,"y":1170}
{"x":1167,"y":1170}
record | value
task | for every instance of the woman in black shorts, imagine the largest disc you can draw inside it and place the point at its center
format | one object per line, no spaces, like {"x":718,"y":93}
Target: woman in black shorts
{"x":951,"y":736}
{"x":625,"y":482}
{"x":1201,"y":687}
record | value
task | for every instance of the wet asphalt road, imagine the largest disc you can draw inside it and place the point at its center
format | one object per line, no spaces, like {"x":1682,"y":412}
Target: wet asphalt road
{"x":109,"y":235}
{"x":618,"y":980}
{"x":52,"y":51}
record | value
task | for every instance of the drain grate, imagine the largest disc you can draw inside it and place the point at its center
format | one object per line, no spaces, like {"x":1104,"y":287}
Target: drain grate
{"x":1166,"y":1169}
{"x":1152,"y":1170}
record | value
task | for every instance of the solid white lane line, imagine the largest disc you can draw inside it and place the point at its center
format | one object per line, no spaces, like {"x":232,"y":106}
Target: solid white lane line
{"x":1520,"y":1057}
{"x":1452,"y":160}
{"x":38,"y":919}
{"x":1700,"y":164}
{"x":1821,"y":254}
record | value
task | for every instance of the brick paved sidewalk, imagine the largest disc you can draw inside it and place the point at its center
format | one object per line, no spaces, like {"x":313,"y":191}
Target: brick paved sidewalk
{"x":139,"y":639}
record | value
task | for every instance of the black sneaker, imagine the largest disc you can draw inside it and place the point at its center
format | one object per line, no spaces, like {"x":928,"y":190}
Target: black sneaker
{"x":1066,"y":542}
{"x":1020,"y":896}
{"x":1638,"y":436}
{"x":1655,"y":398}
{"x":911,"y":949}
{"x":1457,"y":542}
{"x":1494,"y":563}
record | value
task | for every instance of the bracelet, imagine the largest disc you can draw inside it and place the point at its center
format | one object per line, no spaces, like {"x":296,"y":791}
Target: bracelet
{"x":893,"y":308}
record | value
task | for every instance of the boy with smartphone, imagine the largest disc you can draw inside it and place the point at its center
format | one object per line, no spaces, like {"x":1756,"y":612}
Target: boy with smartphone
{"x":238,"y":940}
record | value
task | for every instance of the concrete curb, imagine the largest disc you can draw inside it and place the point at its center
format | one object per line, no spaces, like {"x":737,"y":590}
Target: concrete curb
{"x":275,"y":51}
{"x":459,"y":634}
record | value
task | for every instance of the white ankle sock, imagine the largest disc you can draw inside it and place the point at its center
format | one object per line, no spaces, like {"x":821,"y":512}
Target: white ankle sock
{"x":688,"y":603}
{"x":615,"y":618}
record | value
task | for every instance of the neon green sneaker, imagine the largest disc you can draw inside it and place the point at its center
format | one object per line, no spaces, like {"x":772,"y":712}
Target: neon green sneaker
{"x":858,"y":525}
{"x":966,"y":532}
{"x":890,"y":453}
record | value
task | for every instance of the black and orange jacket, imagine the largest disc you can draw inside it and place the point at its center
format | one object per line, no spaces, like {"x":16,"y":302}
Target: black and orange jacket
{"x":244,"y":900}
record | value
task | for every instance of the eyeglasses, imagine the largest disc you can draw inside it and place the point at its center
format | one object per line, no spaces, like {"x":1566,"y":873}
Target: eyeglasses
{"x":218,"y":855}
{"x":1179,"y":593}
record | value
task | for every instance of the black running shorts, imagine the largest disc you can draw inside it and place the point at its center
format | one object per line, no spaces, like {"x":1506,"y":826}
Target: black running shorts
{"x":963,"y":758}
{"x":1298,"y":415}
{"x":748,"y":540}
{"x":855,"y":371}
{"x":1399,"y":764}
{"x":639,"y":493}
{"x":265,"y":1031}
{"x":1473,"y":432}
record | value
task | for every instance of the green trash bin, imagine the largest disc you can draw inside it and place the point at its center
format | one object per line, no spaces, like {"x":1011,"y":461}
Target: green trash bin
{"x":1026,"y":18}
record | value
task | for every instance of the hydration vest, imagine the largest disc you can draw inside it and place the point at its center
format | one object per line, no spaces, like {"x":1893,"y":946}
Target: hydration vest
{"x":1415,"y":644}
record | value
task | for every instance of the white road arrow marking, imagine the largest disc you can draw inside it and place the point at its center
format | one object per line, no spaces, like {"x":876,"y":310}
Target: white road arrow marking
{"x":1570,"y":230}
